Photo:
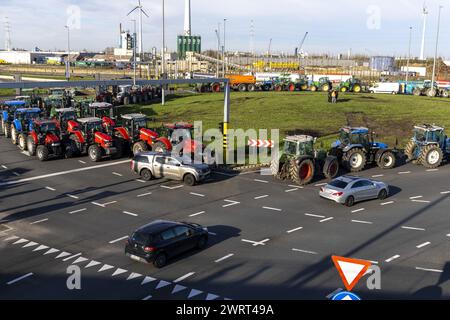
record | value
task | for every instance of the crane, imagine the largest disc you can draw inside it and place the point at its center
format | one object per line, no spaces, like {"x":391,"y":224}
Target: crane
{"x":301,"y":43}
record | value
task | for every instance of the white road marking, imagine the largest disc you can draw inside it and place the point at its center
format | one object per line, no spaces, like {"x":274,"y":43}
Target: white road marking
{"x":293,"y":186}
{"x":416,"y":197}
{"x":363,"y":222}
{"x":147,"y":298}
{"x":412,"y":228}
{"x":131,"y":214}
{"x":80,"y":259}
{"x":327,"y":219}
{"x":134,"y":275}
{"x":445,"y":192}
{"x":224,"y":258}
{"x":73,"y":256}
{"x":49,"y":188}
{"x":140,"y":180}
{"x":197,"y":214}
{"x":118,"y":240}
{"x":4,"y":167}
{"x":304,"y":251}
{"x":184,"y":277}
{"x":50,"y":251}
{"x":378,"y":176}
{"x":63,"y":173}
{"x":41,"y":247}
{"x":11,"y":238}
{"x":261,"y":197}
{"x":30,"y":244}
{"x":104,"y":204}
{"x":230,"y":203}
{"x":320,"y":184}
{"x":262,"y":181}
{"x":72,"y":196}
{"x":119,"y":271}
{"x":386,"y":203}
{"x":92,"y":264}
{"x":16,"y":173}
{"x":420,"y":246}
{"x":429,"y":270}
{"x":19,"y":278}
{"x":293,"y":230}
{"x":23,"y":240}
{"x":272,"y":209}
{"x":432,"y":170}
{"x":358,"y":210}
{"x":117,"y":174}
{"x":211,"y":296}
{"x":197,"y":194}
{"x":256,"y":243}
{"x":393,"y":258}
{"x":76,"y":211}
{"x":291,"y":190}
{"x":194,"y":292}
{"x":39,"y":221}
{"x":162,"y":284}
{"x":212,"y":233}
{"x":172,"y":188}
{"x":81,"y":161}
{"x":144,"y":194}
{"x":404,"y":172}
{"x":421,"y":201}
{"x":314,"y":215}
{"x":147,"y":279}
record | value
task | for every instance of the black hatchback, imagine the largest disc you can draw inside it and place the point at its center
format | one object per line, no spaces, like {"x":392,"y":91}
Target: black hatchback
{"x":162,"y":240}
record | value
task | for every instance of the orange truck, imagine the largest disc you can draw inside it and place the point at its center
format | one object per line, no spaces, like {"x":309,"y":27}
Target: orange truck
{"x":242,"y":83}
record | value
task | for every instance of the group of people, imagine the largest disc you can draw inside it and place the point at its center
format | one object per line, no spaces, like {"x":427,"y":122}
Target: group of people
{"x":333,"y":96}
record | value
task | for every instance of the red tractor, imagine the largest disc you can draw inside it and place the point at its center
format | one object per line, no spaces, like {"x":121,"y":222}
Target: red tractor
{"x":43,"y":140}
{"x":86,"y":136}
{"x":138,"y":137}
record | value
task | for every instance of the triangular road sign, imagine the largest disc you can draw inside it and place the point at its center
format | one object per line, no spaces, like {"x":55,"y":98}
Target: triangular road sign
{"x":350,"y":270}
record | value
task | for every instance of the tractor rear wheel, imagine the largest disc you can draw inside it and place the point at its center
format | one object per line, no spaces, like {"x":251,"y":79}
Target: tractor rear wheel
{"x":431,"y":157}
{"x":95,"y":153}
{"x":325,"y":88}
{"x":139,"y":147}
{"x":302,"y":173}
{"x":278,"y":88}
{"x":304,"y":87}
{"x":356,"y":88}
{"x":22,"y":142}
{"x":387,"y":160}
{"x":42,"y":153}
{"x":251,"y":87}
{"x":13,"y":135}
{"x":431,"y":92}
{"x":31,"y":146}
{"x":159,"y":147}
{"x":242,"y":87}
{"x":417,"y":92}
{"x":313,"y":89}
{"x":344,"y":89}
{"x":291,"y":87}
{"x":411,"y":150}
{"x":118,"y":143}
{"x":355,"y":160}
{"x":444,"y":93}
{"x":331,"y":167}
{"x":7,"y":130}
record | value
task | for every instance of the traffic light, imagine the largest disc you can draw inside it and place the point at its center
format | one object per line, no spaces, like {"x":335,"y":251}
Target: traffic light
{"x":130,"y":42}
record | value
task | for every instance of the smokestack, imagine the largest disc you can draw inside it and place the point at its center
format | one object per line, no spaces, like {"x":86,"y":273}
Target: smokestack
{"x":187,"y":17}
{"x":120,"y":35}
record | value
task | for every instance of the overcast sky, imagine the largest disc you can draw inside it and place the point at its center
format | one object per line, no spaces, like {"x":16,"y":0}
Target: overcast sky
{"x":366,"y":26}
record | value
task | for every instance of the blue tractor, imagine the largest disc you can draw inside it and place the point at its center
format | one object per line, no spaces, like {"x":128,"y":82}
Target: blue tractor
{"x":7,"y":113}
{"x":356,"y":148}
{"x":22,"y":123}
{"x":429,"y":146}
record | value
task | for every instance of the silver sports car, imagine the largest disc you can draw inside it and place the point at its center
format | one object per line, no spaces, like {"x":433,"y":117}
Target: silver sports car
{"x":348,"y":190}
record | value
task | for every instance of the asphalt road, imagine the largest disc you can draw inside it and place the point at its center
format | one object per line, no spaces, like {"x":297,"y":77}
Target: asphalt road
{"x":269,"y":239}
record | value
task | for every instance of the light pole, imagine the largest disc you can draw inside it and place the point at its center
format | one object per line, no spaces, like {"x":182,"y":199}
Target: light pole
{"x":218,"y":50}
{"x":436,"y":49}
{"x":134,"y":52}
{"x":224,"y":43}
{"x":163,"y":58}
{"x":68,"y":53}
{"x":409,"y":55}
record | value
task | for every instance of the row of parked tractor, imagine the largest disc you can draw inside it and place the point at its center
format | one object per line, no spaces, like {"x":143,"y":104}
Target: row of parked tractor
{"x":93,"y":131}
{"x":355,"y":149}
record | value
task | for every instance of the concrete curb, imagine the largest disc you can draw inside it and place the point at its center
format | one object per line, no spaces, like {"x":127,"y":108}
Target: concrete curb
{"x":241,"y":169}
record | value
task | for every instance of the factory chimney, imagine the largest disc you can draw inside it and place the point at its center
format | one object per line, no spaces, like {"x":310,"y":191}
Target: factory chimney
{"x":187,"y":18}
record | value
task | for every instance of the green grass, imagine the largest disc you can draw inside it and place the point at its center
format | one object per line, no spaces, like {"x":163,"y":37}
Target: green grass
{"x":391,"y":117}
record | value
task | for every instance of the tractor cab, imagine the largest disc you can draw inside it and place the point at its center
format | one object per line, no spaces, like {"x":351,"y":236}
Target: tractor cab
{"x":63,"y":116}
{"x":43,"y":127}
{"x":297,"y":146}
{"x":134,"y":123}
{"x":90,"y":126}
{"x":26,"y":115}
{"x":26,"y":99}
{"x":8,"y":108}
{"x":350,"y":136}
{"x":178,"y":132}
{"x":426,"y":134}
{"x":104,"y":111}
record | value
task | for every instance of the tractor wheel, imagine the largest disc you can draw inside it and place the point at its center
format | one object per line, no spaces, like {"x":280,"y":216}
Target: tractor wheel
{"x":357,"y":88}
{"x":22,"y":142}
{"x":278,"y":88}
{"x":417,"y":92}
{"x":251,"y":88}
{"x":139,"y":147}
{"x":3,"y":125}
{"x":159,"y":147}
{"x":242,"y":87}
{"x":71,"y":149}
{"x":215,"y":87}
{"x":266,"y":87}
{"x":431,"y":92}
{"x":303,"y":173}
{"x":95,"y":153}
{"x":7,"y":130}
{"x":313,"y":88}
{"x":355,"y":160}
{"x":444,"y":94}
{"x":42,"y":153}
{"x":291,"y":87}
{"x":331,"y":167}
{"x":387,"y":160}
{"x":118,"y":143}
{"x":410,"y":151}
{"x":326,"y":87}
{"x":31,"y":146}
{"x":13,"y":135}
{"x":344,"y":89}
{"x":431,"y":157}
{"x":304,"y":87}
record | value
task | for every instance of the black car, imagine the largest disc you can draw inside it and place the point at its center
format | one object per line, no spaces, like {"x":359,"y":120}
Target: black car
{"x":161,"y":240}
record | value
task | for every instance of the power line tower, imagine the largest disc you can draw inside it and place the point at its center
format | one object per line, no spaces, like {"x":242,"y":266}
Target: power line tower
{"x":7,"y":35}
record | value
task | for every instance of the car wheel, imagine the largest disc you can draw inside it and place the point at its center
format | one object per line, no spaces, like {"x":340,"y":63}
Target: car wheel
{"x":202,"y":242}
{"x":350,"y":201}
{"x":383,"y":194}
{"x":160,"y":261}
{"x":189,"y":180}
{"x":146,"y":175}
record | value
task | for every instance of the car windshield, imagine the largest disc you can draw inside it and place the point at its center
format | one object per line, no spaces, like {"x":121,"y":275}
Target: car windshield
{"x":338,"y":184}
{"x":48,"y":127}
{"x":347,"y":138}
{"x":103,"y":112}
{"x":94,"y":126}
{"x":290,"y":147}
{"x":140,"y":123}
{"x":27,"y":115}
{"x":420,"y":135}
{"x":141,"y":238}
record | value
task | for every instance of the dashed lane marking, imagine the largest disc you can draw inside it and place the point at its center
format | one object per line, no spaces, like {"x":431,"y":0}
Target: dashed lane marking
{"x":320,"y":184}
{"x":140,"y":180}
{"x":172,"y":188}
{"x":16,"y":174}
{"x":423,"y":245}
{"x":104,"y":204}
{"x":405,"y":172}
{"x":72,"y":196}
{"x":4,"y":167}
{"x":117,"y":174}
{"x":291,"y":190}
{"x":131,"y":214}
{"x":358,"y":210}
{"x":20,"y":278}
{"x":230,"y":203}
{"x":293,"y":230}
{"x":421,"y":201}
{"x":362,"y":222}
{"x":144,"y":195}
{"x":327,"y":219}
{"x":82,"y":162}
{"x":272,"y":209}
{"x":197,"y":214}
{"x":294,"y":186}
{"x":432,"y":170}
{"x":261,"y":181}
{"x":77,"y":211}
{"x":412,"y":228}
{"x":50,"y":188}
{"x":39,"y":221}
{"x":430,"y":270}
{"x":393,"y":258}
{"x":314,"y":215}
{"x":445,"y":192}
{"x":256,"y":243}
{"x":304,"y":251}
{"x":261,"y":197}
{"x":190,"y":274}
{"x":224,"y":258}
{"x":387,"y":203}
{"x":416,"y":197}
{"x":197,"y":194}
{"x":118,"y":240}
{"x":378,"y":176}
{"x":147,"y":298}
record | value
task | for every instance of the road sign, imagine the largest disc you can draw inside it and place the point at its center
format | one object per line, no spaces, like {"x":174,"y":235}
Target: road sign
{"x":346,"y":296}
{"x":260,"y":143}
{"x":350,"y":270}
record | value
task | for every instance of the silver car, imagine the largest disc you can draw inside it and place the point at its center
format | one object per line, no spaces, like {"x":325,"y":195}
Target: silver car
{"x":163,"y":165}
{"x":348,"y":190}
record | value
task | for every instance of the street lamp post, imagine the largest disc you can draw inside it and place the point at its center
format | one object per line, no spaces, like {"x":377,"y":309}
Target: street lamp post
{"x":224,"y":43}
{"x":163,"y":58}
{"x":68,"y":53}
{"x":218,"y":50}
{"x":134,"y":52}
{"x":436,"y":49}
{"x":409,"y":55}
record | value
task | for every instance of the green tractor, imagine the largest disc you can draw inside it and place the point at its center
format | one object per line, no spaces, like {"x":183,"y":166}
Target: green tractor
{"x":351,"y":85}
{"x":302,"y":83}
{"x":431,"y":91}
{"x":300,"y":162}
{"x":324,"y":84}
{"x":429,"y":146}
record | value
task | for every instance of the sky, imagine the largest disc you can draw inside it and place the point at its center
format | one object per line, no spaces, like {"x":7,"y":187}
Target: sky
{"x":370,"y":27}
